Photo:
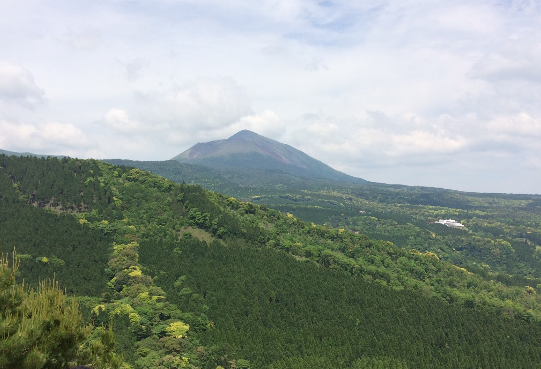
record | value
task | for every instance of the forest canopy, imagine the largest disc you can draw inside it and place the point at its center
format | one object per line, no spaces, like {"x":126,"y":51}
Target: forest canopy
{"x":185,"y":277}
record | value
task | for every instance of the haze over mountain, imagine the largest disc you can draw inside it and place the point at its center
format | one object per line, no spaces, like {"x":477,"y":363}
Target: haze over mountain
{"x":10,"y":153}
{"x":247,"y":149}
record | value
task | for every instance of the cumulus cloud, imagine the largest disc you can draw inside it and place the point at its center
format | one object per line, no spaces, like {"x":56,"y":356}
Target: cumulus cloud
{"x":378,"y":140}
{"x":268,"y":124}
{"x":193,"y":109}
{"x":17,"y":85}
{"x":61,"y":134}
{"x":48,"y":138}
{"x":15,"y":133}
{"x":119,"y":120}
{"x":468,"y":152}
{"x":207,"y":103}
{"x":200,"y":110}
{"x":519,"y":126}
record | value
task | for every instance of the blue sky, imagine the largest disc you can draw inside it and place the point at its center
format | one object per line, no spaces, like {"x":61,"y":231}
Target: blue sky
{"x":432,"y":93}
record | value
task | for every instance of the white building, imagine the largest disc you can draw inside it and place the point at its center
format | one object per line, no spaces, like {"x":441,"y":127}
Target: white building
{"x":450,"y":223}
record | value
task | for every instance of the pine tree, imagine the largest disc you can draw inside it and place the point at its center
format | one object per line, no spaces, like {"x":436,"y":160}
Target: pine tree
{"x":42,"y":328}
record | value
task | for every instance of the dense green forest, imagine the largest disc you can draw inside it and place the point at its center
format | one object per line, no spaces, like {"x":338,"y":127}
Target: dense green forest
{"x":192,"y":278}
{"x":502,"y":237}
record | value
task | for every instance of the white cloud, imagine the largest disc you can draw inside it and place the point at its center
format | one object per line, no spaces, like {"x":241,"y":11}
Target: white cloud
{"x":119,"y":120}
{"x":207,"y":103}
{"x":267,"y":124}
{"x":18,"y":85}
{"x":518,"y":126}
{"x":201,"y":110}
{"x":323,"y":129}
{"x":15,"y":133}
{"x":423,"y":143}
{"x":376,"y":140}
{"x":48,"y":138}
{"x":60,"y":134}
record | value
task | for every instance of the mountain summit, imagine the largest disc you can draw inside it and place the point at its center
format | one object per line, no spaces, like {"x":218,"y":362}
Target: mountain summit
{"x":248,"y":150}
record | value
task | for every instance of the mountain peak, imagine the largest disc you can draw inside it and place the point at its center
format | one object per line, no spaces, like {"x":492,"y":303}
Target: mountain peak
{"x":245,"y":134}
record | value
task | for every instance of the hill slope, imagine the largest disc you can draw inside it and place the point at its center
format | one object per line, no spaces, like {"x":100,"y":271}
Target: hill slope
{"x":503,"y":232}
{"x":253,"y":283}
{"x":247,"y":149}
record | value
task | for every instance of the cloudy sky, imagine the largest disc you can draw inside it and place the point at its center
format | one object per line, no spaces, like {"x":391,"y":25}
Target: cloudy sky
{"x":434,"y":93}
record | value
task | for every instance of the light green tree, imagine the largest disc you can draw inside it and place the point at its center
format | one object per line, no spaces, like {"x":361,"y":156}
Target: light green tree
{"x":42,"y":328}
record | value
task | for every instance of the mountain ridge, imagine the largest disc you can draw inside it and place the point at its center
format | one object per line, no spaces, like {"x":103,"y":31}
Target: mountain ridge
{"x":247,"y":149}
{"x":13,"y":153}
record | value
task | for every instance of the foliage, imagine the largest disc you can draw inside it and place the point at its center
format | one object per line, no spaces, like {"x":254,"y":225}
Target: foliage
{"x":279,"y":312}
{"x":193,"y":278}
{"x":41,"y":328}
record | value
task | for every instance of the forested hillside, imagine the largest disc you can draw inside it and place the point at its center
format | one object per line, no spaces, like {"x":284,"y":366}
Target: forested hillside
{"x":502,"y":238}
{"x":192,"y":278}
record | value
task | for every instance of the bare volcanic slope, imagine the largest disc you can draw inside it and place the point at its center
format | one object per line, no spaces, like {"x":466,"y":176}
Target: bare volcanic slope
{"x":248,"y":150}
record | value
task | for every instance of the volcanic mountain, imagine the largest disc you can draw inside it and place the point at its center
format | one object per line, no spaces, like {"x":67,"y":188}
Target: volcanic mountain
{"x":248,"y":150}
